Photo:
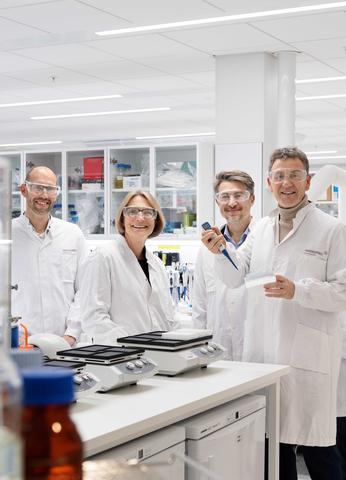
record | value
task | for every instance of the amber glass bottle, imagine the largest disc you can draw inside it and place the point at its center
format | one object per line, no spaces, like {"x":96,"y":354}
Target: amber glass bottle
{"x":52,"y":445}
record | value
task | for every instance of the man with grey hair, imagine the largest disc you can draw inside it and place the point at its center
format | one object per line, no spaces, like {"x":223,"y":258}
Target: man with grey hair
{"x":217,"y":307}
{"x":47,"y":254}
{"x":294,"y":320}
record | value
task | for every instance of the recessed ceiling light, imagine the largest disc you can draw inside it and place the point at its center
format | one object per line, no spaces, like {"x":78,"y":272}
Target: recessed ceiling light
{"x":27,"y":143}
{"x":328,"y":158}
{"x":95,"y":114}
{"x":326,"y":79}
{"x":321,"y":151}
{"x":321,"y":97}
{"x":61,"y":100}
{"x":176,"y":136}
{"x":205,"y":21}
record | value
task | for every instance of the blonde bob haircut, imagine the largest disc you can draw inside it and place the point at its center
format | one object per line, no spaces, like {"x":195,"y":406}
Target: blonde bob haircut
{"x":160,"y":219}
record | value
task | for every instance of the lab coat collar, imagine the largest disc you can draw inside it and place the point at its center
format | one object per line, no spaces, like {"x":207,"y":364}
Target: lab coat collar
{"x":26,"y":222}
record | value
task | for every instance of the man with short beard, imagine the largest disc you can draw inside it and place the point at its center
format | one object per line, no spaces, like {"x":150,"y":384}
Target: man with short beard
{"x":216,"y":306}
{"x":46,"y":257}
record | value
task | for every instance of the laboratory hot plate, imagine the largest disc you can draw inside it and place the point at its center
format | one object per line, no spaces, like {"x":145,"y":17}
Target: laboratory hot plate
{"x":115,"y":365}
{"x":177,"y":351}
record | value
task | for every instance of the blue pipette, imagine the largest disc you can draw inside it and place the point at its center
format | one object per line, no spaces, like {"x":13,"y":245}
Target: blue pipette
{"x":207,"y":226}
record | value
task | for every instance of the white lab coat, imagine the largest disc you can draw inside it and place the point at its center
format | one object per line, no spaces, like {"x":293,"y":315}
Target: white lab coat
{"x":48,"y":275}
{"x":341,"y":410}
{"x":303,"y":332}
{"x":217,"y":307}
{"x":116,"y":297}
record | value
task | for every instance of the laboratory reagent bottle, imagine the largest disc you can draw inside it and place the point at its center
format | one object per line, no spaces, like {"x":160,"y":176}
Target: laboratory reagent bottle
{"x":52,"y":445}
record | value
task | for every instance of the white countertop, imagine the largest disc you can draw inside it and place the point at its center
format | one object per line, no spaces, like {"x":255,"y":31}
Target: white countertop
{"x":110,"y":419}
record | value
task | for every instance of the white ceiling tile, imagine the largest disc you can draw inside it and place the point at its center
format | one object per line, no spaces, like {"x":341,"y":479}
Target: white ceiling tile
{"x":143,"y":46}
{"x":10,"y":62}
{"x":233,"y":7}
{"x":203,"y":116}
{"x":203,"y":78}
{"x":155,"y":11}
{"x":209,"y":39}
{"x":10,"y":30}
{"x":65,"y":55}
{"x":39,"y":94}
{"x":98,"y":88}
{"x":116,"y":71}
{"x":21,"y":3}
{"x":162,"y":83}
{"x":151,"y":102}
{"x":306,"y":27}
{"x":313,"y":108}
{"x":8,"y":83}
{"x":203,"y":98}
{"x":338,"y":63}
{"x":45,"y":76}
{"x":315,"y":69}
{"x":197,"y":62}
{"x":323,"y":88}
{"x":63,"y":16}
{"x":322,"y":49}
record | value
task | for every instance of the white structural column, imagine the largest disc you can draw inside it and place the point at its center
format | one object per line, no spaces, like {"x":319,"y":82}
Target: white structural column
{"x":286,"y":98}
{"x":246,"y":110}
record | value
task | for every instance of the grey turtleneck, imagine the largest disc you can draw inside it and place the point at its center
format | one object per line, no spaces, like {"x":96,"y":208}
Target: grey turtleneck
{"x":286,"y":217}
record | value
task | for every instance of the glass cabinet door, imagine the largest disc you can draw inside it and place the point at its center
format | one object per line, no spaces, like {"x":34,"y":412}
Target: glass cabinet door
{"x":129,"y":170}
{"x":14,"y":160}
{"x":176,"y":188}
{"x":52,"y":160}
{"x":85,"y":188}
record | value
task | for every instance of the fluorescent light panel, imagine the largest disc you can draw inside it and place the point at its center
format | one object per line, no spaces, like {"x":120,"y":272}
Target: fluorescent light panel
{"x":95,"y":114}
{"x":176,"y":136}
{"x":33,"y":143}
{"x":326,"y":79}
{"x":61,"y":100}
{"x":205,"y":21}
{"x":322,"y":151}
{"x":321,"y":97}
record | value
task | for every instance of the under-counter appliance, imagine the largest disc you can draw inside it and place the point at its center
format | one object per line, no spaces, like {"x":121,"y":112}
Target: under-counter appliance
{"x":154,"y":449}
{"x":115,"y":366}
{"x":175,"y":356}
{"x":228,"y":440}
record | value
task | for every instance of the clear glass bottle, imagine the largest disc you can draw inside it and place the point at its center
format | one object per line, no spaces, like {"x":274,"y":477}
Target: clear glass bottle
{"x":52,"y":445}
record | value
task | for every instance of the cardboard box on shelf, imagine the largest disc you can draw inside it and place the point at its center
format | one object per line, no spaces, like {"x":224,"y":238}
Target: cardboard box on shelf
{"x":327,"y":196}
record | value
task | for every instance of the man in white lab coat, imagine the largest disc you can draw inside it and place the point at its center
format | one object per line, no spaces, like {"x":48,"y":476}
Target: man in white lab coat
{"x":46,"y":257}
{"x":216,"y":306}
{"x":341,"y":410}
{"x":295,"y":321}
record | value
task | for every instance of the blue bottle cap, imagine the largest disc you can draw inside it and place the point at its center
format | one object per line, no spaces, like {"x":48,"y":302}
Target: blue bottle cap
{"x":47,"y":386}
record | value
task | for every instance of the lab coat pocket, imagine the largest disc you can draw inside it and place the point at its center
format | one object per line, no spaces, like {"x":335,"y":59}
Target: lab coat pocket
{"x":311,"y":267}
{"x":68,"y":267}
{"x":311,"y":349}
{"x":209,"y":278}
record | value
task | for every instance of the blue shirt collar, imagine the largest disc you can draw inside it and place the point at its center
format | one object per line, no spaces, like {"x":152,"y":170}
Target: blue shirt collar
{"x":228,"y":237}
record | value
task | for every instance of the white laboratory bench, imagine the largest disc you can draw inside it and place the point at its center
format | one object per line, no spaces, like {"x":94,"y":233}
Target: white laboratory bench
{"x":110,"y":419}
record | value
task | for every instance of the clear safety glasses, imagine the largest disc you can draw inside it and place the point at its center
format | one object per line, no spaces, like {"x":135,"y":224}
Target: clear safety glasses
{"x":38,"y":188}
{"x":238,"y":196}
{"x":133,"y":212}
{"x":293,"y":174}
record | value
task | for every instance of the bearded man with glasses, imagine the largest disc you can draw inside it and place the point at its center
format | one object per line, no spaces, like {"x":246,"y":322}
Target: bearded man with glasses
{"x":47,"y":254}
{"x":294,"y":322}
{"x":217,"y":307}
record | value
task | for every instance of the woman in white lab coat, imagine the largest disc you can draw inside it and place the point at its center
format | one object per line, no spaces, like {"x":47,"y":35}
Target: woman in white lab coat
{"x":125,"y":289}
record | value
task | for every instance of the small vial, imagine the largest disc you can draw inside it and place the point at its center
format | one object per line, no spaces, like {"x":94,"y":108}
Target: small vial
{"x":52,"y":445}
